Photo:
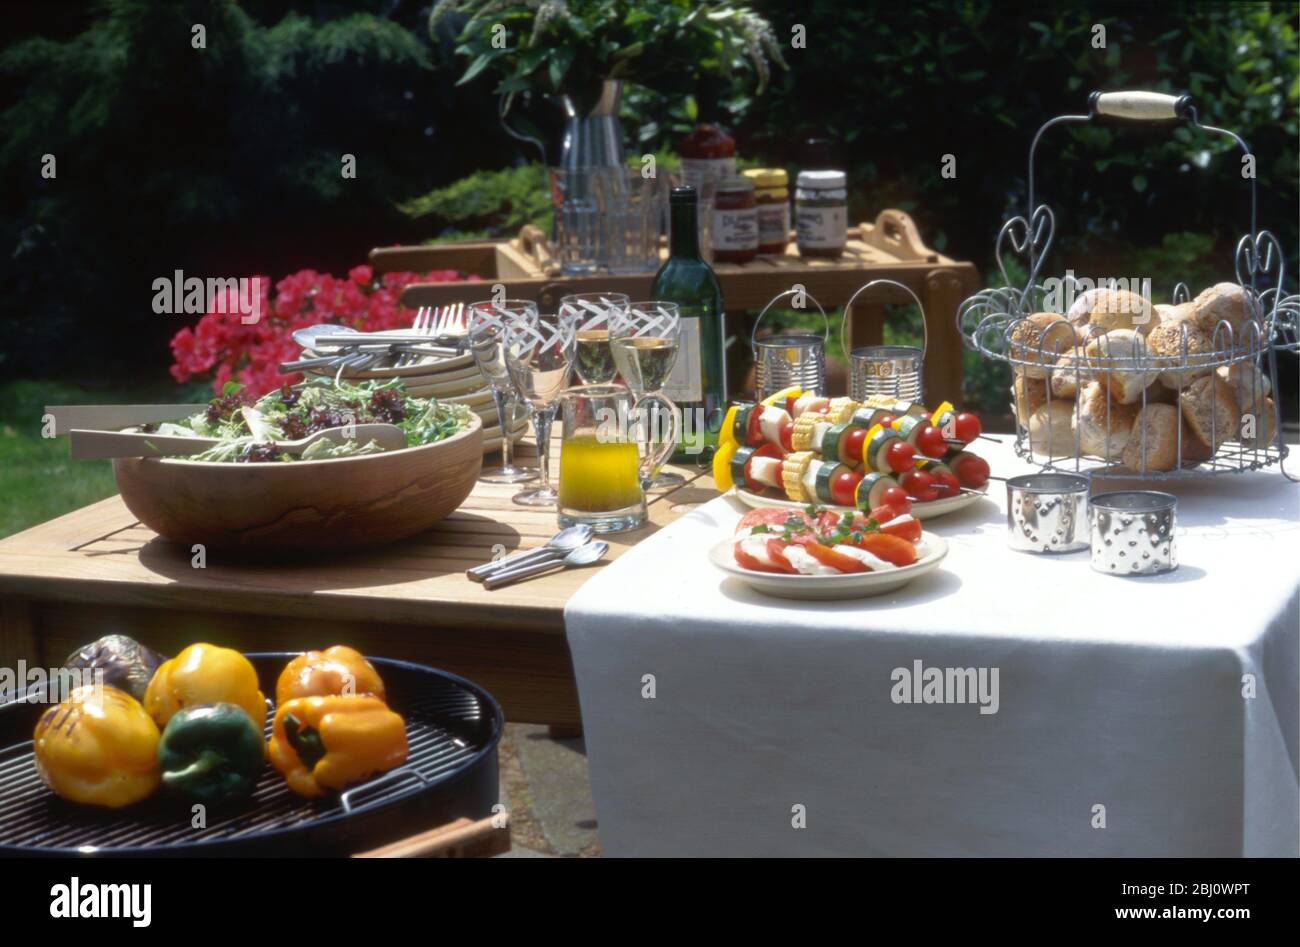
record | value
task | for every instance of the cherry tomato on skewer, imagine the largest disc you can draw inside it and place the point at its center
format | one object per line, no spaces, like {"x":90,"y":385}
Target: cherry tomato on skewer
{"x":931,"y":441}
{"x":967,"y":427}
{"x":900,"y":456}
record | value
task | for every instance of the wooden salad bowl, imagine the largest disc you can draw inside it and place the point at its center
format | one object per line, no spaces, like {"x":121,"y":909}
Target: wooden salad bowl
{"x":303,"y":505}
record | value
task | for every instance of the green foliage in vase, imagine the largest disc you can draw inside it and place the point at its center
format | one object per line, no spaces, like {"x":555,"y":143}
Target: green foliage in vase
{"x":568,"y":47}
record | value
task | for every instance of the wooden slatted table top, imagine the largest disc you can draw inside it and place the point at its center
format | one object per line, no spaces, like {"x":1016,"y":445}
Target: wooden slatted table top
{"x":101,"y":554}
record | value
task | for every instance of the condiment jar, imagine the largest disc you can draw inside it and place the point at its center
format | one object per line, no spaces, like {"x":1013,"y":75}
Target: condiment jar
{"x":821,"y":213}
{"x":708,"y":155}
{"x":735,"y":221}
{"x":773,"y":198}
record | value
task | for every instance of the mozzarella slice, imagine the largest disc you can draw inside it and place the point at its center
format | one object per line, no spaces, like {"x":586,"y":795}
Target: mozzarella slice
{"x":756,"y":546}
{"x":810,"y":481}
{"x":769,"y":423}
{"x":874,"y":563}
{"x":763,"y":470}
{"x":804,"y":561}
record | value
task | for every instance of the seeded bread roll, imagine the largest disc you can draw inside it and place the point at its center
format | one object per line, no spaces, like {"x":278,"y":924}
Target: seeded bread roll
{"x":1027,"y":394}
{"x":1113,"y":309}
{"x":1104,"y":424}
{"x":1051,"y":430}
{"x":1167,"y":340}
{"x":1039,"y":340}
{"x":1224,"y":302}
{"x":1211,"y":410}
{"x":1123,"y":364}
{"x":1153,"y":444}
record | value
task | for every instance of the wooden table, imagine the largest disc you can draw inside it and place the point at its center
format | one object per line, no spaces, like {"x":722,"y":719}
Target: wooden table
{"x":889,"y":248}
{"x":97,"y":571}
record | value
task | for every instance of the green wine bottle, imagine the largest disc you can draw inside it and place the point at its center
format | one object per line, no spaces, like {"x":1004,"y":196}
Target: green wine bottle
{"x":698,"y":383}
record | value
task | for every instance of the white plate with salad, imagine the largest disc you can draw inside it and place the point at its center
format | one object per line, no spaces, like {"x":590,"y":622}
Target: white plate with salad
{"x":825,"y":554}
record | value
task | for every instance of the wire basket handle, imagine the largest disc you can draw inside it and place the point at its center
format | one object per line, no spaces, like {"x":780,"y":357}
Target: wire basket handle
{"x":826,"y":334}
{"x":848,"y":307}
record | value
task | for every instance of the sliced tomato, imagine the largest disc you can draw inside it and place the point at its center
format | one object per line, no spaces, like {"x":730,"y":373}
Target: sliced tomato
{"x":885,"y":512}
{"x":893,"y":549}
{"x":747,"y":560}
{"x":776,"y":552}
{"x":903,"y":529}
{"x":836,"y":560}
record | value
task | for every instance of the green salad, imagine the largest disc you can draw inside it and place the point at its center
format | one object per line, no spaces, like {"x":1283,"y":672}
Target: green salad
{"x":249,"y":428}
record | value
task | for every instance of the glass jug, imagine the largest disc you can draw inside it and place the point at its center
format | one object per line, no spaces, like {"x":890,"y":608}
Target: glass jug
{"x":608,"y":455}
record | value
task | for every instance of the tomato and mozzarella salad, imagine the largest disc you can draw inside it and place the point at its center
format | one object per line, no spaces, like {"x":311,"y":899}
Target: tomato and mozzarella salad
{"x":824,"y":542}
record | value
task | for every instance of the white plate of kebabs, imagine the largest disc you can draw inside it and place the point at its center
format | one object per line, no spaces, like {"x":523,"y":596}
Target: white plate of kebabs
{"x":793,"y":450}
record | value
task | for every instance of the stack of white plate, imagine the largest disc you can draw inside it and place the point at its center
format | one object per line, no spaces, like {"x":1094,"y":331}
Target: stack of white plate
{"x":449,"y":379}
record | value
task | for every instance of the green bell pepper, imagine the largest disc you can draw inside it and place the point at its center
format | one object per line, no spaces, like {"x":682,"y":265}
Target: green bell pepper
{"x":211,"y":753}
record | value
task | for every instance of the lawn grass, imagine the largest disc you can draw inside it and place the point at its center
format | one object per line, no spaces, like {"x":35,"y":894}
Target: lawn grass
{"x":38,"y":480}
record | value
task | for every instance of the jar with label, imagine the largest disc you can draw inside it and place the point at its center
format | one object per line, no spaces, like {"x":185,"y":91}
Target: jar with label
{"x":821,"y":213}
{"x":708,"y":155}
{"x":772,"y":195}
{"x":735,"y":221}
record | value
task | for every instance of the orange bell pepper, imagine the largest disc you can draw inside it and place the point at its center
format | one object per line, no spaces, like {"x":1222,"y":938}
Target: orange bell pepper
{"x":338,"y":671}
{"x":320,"y":743}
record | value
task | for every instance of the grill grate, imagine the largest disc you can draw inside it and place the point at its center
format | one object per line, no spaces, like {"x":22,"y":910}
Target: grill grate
{"x":448,"y":726}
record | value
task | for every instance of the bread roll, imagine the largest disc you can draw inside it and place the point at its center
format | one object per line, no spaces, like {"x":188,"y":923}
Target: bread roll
{"x":1153,"y":444}
{"x":1259,"y":425}
{"x":1039,"y":339}
{"x":1112,"y":309}
{"x":1065,"y":375}
{"x":1051,"y":430}
{"x":1167,"y":340}
{"x":1027,"y":394}
{"x":1123,"y":364}
{"x":1211,"y":410}
{"x":1104,"y":424}
{"x":1224,"y":302}
{"x":1248,"y":383}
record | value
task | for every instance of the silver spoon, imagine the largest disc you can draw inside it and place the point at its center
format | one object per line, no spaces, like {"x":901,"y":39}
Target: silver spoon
{"x":582,"y":556}
{"x":558,"y":545}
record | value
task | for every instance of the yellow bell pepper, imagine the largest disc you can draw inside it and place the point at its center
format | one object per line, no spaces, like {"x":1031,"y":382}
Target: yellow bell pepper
{"x":722,"y":478}
{"x":204,"y":674}
{"x":793,"y":391}
{"x":320,"y":743}
{"x":337,"y":671}
{"x":98,"y":747}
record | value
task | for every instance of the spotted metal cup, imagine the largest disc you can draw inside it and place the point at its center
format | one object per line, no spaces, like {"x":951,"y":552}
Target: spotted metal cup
{"x":1132,"y":532}
{"x":1045,"y":512}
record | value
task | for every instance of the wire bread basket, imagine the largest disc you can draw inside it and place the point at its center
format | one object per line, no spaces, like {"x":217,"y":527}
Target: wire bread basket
{"x":1108,"y":384}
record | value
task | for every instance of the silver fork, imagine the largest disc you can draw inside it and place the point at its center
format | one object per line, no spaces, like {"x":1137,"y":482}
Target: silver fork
{"x":424,"y":317}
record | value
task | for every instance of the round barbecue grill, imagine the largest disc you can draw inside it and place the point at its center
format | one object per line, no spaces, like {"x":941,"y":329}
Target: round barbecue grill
{"x":452,"y":727}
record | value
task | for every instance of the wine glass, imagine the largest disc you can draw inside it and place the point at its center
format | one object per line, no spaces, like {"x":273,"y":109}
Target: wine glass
{"x":539,"y":353}
{"x":644,"y":340}
{"x":592,"y":314}
{"x":486,"y":336}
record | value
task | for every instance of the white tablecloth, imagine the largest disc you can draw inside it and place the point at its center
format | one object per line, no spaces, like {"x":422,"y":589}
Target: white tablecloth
{"x":1121,"y":726}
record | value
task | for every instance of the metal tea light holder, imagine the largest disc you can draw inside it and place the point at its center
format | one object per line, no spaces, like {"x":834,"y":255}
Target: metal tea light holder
{"x":996,"y":323}
{"x":789,"y":359}
{"x":894,"y":370}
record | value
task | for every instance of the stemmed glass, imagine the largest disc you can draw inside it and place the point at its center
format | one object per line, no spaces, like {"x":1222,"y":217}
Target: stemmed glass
{"x":644,"y":340}
{"x":486,"y":335}
{"x":539,"y":354}
{"x":592,"y":315}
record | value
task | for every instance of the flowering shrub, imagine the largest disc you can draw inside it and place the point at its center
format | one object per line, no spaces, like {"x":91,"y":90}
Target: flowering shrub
{"x":251,"y":354}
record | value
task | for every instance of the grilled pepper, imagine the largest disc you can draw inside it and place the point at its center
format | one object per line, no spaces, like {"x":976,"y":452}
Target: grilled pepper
{"x":98,"y":747}
{"x":320,"y":743}
{"x":204,"y":674}
{"x":211,"y":753}
{"x":127,"y":664}
{"x":339,"y":670}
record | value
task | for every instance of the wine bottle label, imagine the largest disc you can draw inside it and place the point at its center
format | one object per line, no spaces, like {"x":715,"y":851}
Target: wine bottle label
{"x":735,"y":229}
{"x":698,"y":172}
{"x":686,"y":380}
{"x":773,"y":223}
{"x":822,"y":226}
